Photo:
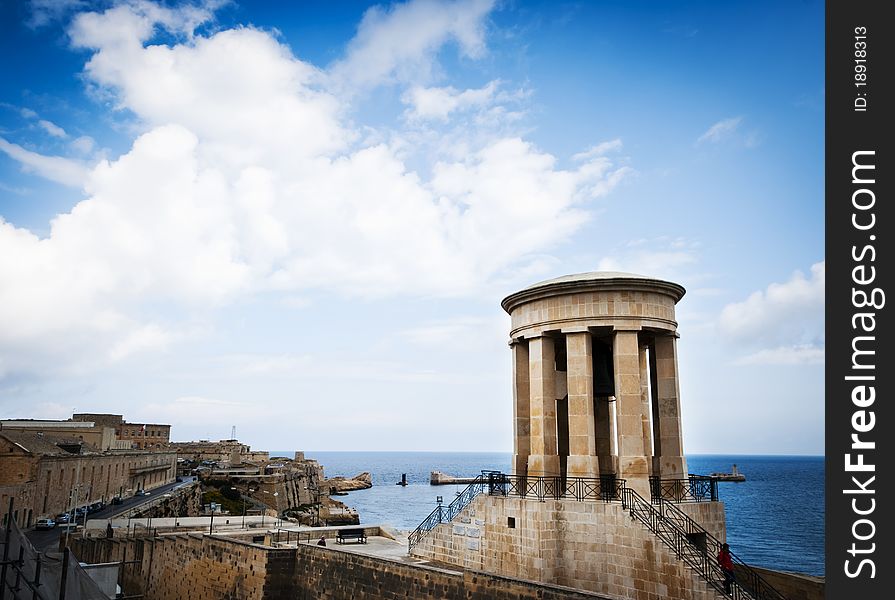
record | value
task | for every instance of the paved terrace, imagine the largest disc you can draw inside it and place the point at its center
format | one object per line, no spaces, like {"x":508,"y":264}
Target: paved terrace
{"x":382,"y":542}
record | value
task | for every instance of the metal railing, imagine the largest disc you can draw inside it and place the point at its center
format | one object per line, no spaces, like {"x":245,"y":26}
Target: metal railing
{"x":697,"y":547}
{"x":697,"y":488}
{"x":606,"y":488}
{"x":496,"y":483}
{"x":446,"y":514}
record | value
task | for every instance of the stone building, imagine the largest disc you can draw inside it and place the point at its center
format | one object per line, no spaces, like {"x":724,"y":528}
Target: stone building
{"x":231,"y":452}
{"x":595,"y":387}
{"x":101,"y":430}
{"x":600,"y":498}
{"x":49,"y":475}
{"x":93,"y":434}
{"x":137,"y":435}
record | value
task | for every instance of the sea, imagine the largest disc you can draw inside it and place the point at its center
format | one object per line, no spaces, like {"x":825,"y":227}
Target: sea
{"x":775,"y":519}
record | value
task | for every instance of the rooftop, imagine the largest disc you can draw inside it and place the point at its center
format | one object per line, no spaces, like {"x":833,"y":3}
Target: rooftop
{"x":591,"y":281}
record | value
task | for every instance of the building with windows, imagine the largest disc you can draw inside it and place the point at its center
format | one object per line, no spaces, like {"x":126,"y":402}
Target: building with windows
{"x":143,"y":436}
{"x":48,"y":475}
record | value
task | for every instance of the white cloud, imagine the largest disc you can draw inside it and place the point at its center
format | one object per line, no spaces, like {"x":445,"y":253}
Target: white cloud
{"x":806,"y":354}
{"x":83,"y":144}
{"x":55,"y":168}
{"x":601,"y":149}
{"x":44,"y":12}
{"x":52,"y":129}
{"x":249,"y":177}
{"x":660,"y":257}
{"x":462,"y":332}
{"x":720,"y":130}
{"x":791,"y":312}
{"x":400,"y":43}
{"x":439,"y":103}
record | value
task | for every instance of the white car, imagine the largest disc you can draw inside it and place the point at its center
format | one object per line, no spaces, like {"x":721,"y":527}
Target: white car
{"x":45,"y":524}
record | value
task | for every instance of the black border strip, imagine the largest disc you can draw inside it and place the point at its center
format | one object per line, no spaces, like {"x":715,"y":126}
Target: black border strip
{"x":859,"y":270}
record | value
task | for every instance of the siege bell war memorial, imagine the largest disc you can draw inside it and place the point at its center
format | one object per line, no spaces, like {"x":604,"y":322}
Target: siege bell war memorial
{"x":598,"y":503}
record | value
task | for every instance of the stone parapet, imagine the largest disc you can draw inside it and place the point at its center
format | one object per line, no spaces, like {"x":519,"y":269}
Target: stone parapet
{"x":593,"y":546}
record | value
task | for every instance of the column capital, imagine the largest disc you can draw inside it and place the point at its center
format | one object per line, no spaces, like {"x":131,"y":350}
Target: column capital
{"x":547,"y":333}
{"x":575,"y":329}
{"x":667,"y":334}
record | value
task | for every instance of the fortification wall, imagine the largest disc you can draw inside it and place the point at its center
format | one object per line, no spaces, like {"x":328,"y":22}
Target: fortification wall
{"x":586,"y":545}
{"x":708,"y":514}
{"x":794,"y":586}
{"x":198,"y":567}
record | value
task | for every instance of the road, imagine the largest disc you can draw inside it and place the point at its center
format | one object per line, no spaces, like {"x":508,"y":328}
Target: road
{"x":49,"y":539}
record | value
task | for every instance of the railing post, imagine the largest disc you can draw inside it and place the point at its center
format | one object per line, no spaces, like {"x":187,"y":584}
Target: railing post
{"x":36,"y":582}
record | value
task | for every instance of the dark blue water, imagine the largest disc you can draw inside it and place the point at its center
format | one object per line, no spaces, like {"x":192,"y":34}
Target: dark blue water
{"x":775,"y":519}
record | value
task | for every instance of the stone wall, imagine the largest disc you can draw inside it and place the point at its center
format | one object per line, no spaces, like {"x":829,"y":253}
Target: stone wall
{"x":793,"y":586}
{"x":185,"y":502}
{"x":708,"y":514}
{"x":319,"y":573}
{"x":199,"y":567}
{"x":586,"y":545}
{"x":189,"y":566}
{"x":635,"y":308}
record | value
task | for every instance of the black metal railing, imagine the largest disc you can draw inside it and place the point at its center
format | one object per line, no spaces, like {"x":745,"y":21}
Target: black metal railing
{"x":697,"y":547}
{"x":446,"y":514}
{"x":606,"y":488}
{"x":697,"y":488}
{"x":495,"y":483}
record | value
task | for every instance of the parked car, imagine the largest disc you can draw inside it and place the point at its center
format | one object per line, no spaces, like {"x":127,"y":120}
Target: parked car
{"x":141,"y":493}
{"x":45,"y":524}
{"x":116,"y":500}
{"x":61,"y":519}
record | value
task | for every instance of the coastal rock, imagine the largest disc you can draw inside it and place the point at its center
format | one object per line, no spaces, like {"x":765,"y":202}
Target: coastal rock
{"x":337,"y":485}
{"x":333,"y":512}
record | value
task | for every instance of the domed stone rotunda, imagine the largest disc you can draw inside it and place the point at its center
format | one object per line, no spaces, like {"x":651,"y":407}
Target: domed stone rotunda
{"x":595,"y":378}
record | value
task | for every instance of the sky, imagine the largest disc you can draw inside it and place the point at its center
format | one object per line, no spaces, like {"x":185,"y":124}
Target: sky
{"x":299,"y":219}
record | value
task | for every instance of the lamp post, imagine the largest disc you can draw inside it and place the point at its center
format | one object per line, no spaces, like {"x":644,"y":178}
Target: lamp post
{"x":211,"y":522}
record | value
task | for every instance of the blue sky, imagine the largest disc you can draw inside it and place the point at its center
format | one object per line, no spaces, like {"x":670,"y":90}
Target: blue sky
{"x":300,"y":218}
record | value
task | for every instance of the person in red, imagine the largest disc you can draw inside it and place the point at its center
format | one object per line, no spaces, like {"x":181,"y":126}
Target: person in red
{"x":726,"y":563}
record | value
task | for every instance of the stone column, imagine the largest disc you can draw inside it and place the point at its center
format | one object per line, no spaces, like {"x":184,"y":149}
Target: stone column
{"x":543,"y":460}
{"x":670,"y":446}
{"x":645,"y":402}
{"x":582,"y":461}
{"x":521,"y":407}
{"x":632,"y":462}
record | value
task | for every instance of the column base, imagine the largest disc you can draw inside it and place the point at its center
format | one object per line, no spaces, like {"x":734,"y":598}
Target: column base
{"x":608,"y":464}
{"x":540,"y":465}
{"x":670,"y":467}
{"x":578,"y":465}
{"x":635,"y":471}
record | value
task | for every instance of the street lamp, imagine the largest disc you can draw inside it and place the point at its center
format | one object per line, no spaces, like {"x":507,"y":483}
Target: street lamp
{"x":211,"y":522}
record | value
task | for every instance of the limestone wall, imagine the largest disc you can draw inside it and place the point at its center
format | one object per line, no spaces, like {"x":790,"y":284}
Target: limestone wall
{"x":619,"y":308}
{"x":794,"y":586}
{"x":708,"y":514}
{"x":588,"y":545}
{"x":320,"y":573}
{"x":198,"y":567}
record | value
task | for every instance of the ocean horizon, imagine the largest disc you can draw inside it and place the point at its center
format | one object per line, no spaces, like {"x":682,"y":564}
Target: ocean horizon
{"x":775,"y":519}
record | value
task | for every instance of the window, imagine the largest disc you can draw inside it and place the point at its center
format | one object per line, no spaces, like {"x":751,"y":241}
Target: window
{"x":511,"y":522}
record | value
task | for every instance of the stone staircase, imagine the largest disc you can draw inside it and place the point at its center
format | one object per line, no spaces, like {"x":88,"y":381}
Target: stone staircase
{"x":697,"y":547}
